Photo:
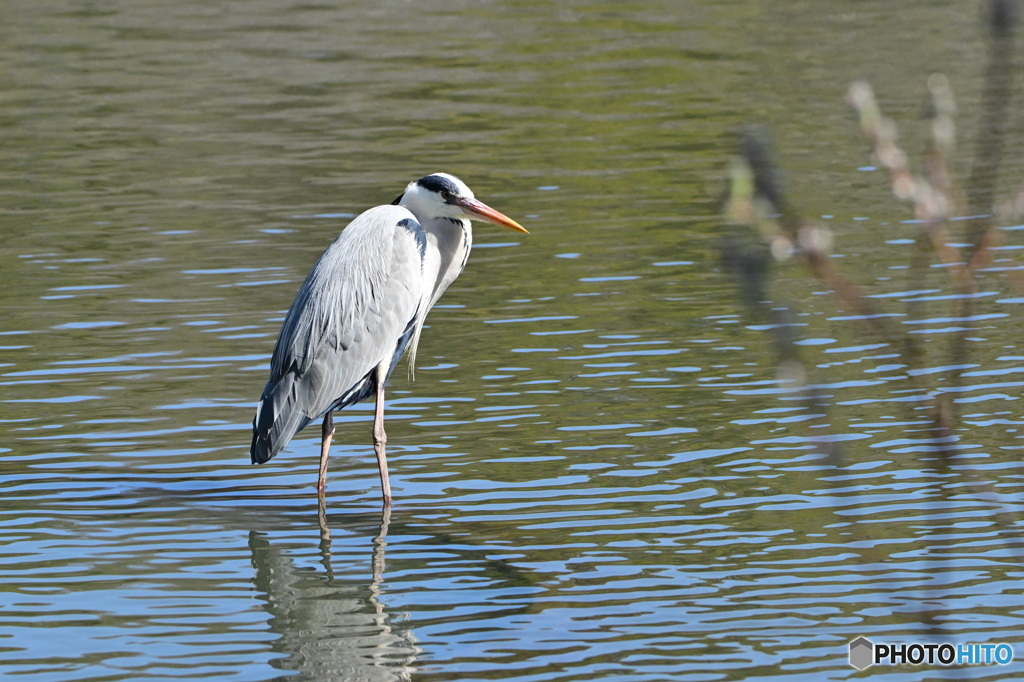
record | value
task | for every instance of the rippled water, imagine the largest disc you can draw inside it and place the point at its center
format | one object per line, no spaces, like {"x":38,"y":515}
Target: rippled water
{"x":597,"y":474}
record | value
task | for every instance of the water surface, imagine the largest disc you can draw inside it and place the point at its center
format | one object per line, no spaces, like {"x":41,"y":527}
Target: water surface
{"x":597,"y":474}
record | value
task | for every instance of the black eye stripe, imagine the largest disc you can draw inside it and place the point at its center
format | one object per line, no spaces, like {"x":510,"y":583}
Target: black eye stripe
{"x":439,"y":184}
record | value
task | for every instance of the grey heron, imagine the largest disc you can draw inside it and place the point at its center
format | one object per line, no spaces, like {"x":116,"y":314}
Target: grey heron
{"x":361,"y":308}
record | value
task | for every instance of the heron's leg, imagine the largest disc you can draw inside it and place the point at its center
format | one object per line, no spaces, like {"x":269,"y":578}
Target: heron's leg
{"x":380,"y":439}
{"x":327,"y":432}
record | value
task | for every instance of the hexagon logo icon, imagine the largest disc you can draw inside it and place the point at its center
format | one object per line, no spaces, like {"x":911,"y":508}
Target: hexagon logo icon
{"x":862,"y":653}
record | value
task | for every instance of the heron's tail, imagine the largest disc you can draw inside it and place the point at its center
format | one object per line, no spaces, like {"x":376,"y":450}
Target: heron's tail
{"x":278,"y":419}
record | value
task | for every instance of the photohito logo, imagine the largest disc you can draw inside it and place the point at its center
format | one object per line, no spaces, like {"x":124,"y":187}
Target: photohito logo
{"x":864,"y":652}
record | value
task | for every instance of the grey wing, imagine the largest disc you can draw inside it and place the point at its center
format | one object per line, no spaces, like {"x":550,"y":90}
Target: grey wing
{"x":355,"y":313}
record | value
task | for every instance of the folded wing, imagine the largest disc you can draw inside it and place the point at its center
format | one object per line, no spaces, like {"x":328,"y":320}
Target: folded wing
{"x":357,"y":310}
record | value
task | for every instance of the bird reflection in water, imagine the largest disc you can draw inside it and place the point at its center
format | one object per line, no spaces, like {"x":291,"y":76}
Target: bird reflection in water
{"x":380,"y":543}
{"x":331,"y":625}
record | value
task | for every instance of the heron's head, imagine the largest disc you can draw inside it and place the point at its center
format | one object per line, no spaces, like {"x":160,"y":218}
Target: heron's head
{"x":441,"y":195}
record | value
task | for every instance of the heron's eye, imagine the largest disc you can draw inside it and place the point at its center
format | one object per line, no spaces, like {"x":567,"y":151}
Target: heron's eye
{"x":446,"y":195}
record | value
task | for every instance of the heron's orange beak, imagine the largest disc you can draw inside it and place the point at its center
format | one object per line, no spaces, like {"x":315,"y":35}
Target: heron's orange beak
{"x":485,"y":212}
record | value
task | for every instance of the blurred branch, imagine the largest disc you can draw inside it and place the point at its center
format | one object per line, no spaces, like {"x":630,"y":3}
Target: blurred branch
{"x":757,"y":200}
{"x":929,"y":196}
{"x":988,"y":153}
